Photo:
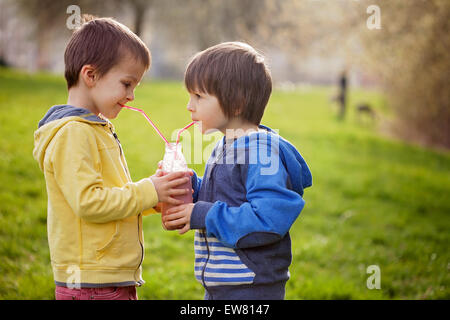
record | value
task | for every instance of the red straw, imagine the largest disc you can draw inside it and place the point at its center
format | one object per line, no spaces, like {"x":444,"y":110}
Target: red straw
{"x":181,"y":130}
{"x":150,"y":121}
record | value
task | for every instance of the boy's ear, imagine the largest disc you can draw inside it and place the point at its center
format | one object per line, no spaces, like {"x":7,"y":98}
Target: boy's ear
{"x":88,"y":75}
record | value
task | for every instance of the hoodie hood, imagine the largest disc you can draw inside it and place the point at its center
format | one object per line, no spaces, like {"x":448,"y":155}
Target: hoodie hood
{"x":296,"y":167}
{"x":55,"y":118}
{"x":63,"y":111}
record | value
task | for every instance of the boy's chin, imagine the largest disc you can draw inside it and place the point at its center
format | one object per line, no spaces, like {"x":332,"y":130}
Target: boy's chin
{"x":113,"y":116}
{"x":209,"y":130}
{"x":110,"y":116}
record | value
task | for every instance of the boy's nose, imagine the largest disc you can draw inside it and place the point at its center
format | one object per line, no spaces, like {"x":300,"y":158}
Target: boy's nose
{"x":190,"y":108}
{"x":130,"y":96}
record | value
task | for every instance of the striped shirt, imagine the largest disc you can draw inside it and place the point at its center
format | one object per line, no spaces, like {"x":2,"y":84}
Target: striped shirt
{"x":218,"y":265}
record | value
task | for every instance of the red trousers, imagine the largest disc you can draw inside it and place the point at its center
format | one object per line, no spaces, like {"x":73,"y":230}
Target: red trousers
{"x":109,"y":293}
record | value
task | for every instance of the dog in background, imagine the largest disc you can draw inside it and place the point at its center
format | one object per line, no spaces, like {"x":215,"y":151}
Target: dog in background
{"x":364,"y":110}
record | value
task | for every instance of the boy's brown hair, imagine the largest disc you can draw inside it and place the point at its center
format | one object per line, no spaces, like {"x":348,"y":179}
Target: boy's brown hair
{"x":236,"y":74}
{"x":101,"y":42}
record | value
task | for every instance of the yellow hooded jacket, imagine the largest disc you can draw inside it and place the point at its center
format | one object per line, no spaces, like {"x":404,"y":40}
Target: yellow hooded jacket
{"x":94,"y":209}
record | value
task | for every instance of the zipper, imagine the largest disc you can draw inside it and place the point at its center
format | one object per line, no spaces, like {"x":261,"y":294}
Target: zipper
{"x":206,"y":263}
{"x":120,"y":148}
{"x":211,"y":168}
{"x":142,"y":248}
{"x":208,"y":175}
{"x":139,"y":215}
{"x":117,"y":139}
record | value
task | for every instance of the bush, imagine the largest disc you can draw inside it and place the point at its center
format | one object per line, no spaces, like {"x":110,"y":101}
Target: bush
{"x":411,"y":52}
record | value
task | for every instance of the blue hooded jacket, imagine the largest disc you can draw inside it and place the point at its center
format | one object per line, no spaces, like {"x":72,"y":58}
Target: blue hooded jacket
{"x":245,"y":204}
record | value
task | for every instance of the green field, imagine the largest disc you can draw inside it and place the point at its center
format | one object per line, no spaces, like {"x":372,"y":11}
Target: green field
{"x":374,"y":201}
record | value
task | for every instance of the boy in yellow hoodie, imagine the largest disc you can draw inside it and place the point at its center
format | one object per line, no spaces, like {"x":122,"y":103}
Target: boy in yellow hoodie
{"x":94,"y":209}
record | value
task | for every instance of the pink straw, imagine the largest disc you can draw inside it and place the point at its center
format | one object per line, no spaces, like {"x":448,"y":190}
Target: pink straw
{"x":181,"y":130}
{"x":150,"y":121}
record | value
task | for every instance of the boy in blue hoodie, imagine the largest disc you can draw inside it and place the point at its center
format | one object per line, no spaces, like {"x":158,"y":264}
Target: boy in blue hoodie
{"x":251,"y":192}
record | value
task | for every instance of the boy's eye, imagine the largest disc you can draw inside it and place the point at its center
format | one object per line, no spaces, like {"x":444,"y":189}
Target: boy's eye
{"x":126,"y":84}
{"x":197,"y":95}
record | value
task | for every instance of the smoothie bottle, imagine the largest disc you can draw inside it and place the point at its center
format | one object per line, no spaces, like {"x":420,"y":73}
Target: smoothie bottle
{"x":174,"y":161}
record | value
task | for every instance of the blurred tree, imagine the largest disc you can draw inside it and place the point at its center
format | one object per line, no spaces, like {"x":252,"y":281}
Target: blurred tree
{"x":139,"y":7}
{"x":411,"y":53}
{"x":46,"y":14}
{"x":202,"y":23}
{"x":3,"y":39}
{"x":50,"y":15}
{"x":187,"y":26}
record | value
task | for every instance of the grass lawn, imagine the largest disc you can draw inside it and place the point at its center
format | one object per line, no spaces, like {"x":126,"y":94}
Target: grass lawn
{"x":374,"y":201}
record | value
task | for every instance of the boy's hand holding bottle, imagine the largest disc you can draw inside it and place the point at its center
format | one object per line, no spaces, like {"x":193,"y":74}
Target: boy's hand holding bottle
{"x":174,"y":163}
{"x":165,"y":186}
{"x":179,"y":216}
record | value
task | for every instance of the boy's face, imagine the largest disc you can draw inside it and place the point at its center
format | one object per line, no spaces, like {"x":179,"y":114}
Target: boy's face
{"x":206,"y":109}
{"x":116,"y":87}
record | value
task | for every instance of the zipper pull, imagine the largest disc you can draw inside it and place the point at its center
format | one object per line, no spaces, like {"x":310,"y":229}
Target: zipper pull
{"x":115,"y":136}
{"x":117,"y":140}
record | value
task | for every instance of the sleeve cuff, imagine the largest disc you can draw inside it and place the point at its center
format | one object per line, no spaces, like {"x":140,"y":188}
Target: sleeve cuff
{"x":198,"y":216}
{"x":148,"y":195}
{"x":195,"y":186}
{"x":149,"y":212}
